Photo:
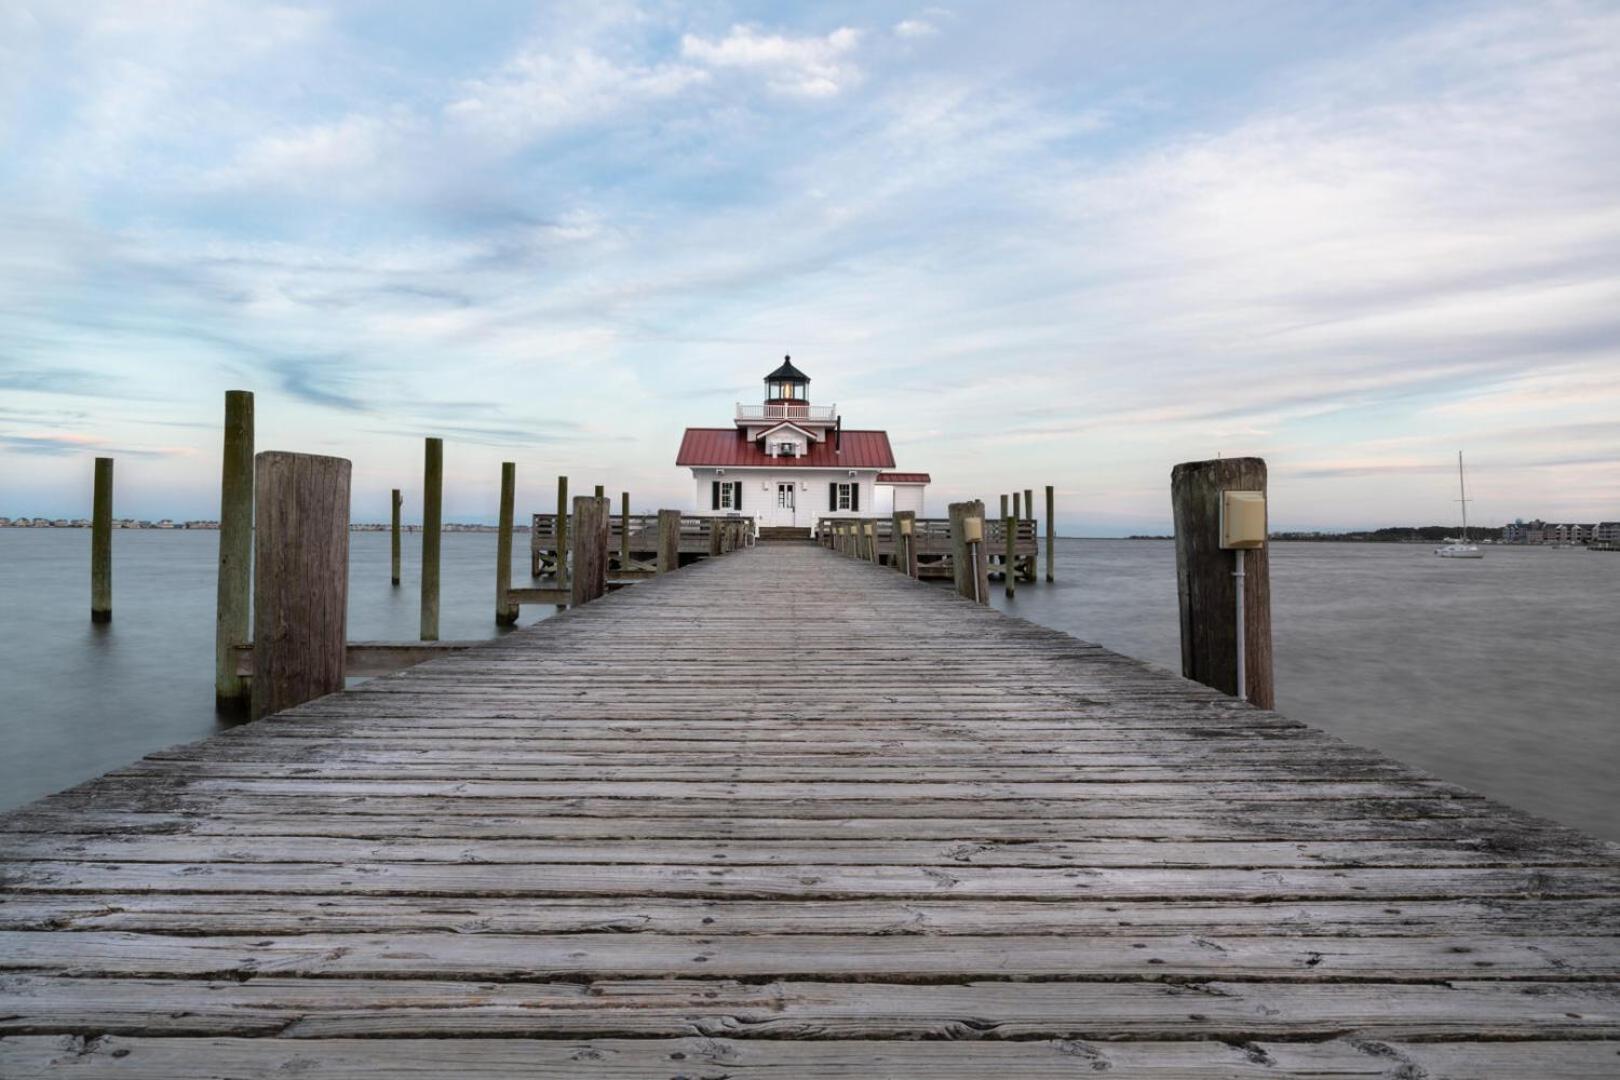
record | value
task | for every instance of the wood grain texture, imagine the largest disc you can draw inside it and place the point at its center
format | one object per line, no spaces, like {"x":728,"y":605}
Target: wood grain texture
{"x":432,"y":538}
{"x":233,"y":597}
{"x":791,"y":814}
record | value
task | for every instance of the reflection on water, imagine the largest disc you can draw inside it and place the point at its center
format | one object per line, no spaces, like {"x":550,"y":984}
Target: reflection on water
{"x":1498,"y":674}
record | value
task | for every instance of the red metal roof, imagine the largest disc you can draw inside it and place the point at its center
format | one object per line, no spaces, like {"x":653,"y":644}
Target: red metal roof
{"x":903,"y":478}
{"x":729,"y":447}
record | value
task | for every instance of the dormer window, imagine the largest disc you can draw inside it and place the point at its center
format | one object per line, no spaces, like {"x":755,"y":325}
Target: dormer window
{"x":787,"y":449}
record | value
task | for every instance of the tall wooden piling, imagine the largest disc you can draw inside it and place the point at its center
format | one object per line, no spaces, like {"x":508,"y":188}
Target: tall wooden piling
{"x":393,"y":544}
{"x":1018,"y":506}
{"x":716,"y":539}
{"x":1029,"y":504}
{"x":1206,"y":586}
{"x":561,"y":532}
{"x":624,"y":531}
{"x":870,"y":531}
{"x":590,"y":550}
{"x":300,"y":579}
{"x":905,"y":542}
{"x":432,"y":524}
{"x":669,"y":540}
{"x":233,"y":597}
{"x":1005,"y":508}
{"x":1009,"y":557}
{"x":1051,"y":537}
{"x":601,"y":492}
{"x":968,"y":557}
{"x":506,"y":612}
{"x":101,"y":512}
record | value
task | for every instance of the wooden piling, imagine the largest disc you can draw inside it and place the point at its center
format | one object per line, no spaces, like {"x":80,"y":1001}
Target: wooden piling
{"x":561,"y":532}
{"x":669,"y":540}
{"x":300,"y":579}
{"x":1004,"y":506}
{"x":1017,"y":506}
{"x":1205,"y":584}
{"x":1029,"y":504}
{"x":601,"y":492}
{"x":101,"y":512}
{"x":968,"y":561}
{"x":393,"y":546}
{"x":590,"y":550}
{"x":905,"y":542}
{"x":870,"y":531}
{"x":506,"y":612}
{"x":1009,"y":565}
{"x":716,"y":543}
{"x":624,"y":531}
{"x":432,"y":524}
{"x":233,"y":597}
{"x":1051,"y":538}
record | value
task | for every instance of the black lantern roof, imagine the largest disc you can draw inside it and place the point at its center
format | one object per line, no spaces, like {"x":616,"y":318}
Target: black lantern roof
{"x":787,"y":373}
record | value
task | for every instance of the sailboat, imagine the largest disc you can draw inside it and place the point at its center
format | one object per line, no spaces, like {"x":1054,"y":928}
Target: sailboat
{"x":1460,"y":549}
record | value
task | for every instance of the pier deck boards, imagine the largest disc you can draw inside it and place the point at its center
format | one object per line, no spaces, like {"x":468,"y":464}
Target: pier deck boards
{"x":786,"y":814}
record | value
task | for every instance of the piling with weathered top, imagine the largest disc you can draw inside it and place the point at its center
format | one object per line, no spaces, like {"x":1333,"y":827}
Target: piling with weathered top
{"x":870,"y":531}
{"x":1051,"y":536}
{"x":300,"y":579}
{"x":506,"y":612}
{"x":716,"y":540}
{"x":1206,"y":586}
{"x":101,"y":511}
{"x":1009,"y":557}
{"x":624,"y":531}
{"x":1017,"y":507}
{"x":561,"y":532}
{"x":590,"y":550}
{"x":601,"y":492}
{"x":905,"y":542}
{"x":393,"y":545}
{"x":968,"y":558}
{"x":432,"y":526}
{"x":669,"y":540}
{"x":1005,"y":508}
{"x":1029,"y":504}
{"x":233,"y":597}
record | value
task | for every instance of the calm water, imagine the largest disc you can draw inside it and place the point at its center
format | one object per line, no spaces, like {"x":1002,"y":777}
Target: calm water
{"x":1502,"y":674}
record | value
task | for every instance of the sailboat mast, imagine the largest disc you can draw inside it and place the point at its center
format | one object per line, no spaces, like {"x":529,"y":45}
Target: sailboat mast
{"x":1462,"y":496}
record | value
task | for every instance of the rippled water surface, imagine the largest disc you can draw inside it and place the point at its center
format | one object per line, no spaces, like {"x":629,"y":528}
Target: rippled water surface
{"x":1502,"y":674}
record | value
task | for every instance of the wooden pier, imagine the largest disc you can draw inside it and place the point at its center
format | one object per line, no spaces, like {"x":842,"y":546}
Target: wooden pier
{"x":788,"y":814}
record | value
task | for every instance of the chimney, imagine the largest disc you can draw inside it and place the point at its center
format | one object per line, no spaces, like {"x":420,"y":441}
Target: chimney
{"x":838,"y":437}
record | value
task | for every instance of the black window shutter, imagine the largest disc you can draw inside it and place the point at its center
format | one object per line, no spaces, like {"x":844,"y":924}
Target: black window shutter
{"x":736,"y":495}
{"x":854,"y":495}
{"x":832,"y":496}
{"x":715,"y":496}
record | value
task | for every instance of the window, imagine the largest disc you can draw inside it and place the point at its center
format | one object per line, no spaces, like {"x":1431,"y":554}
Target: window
{"x":726,"y":495}
{"x":846,"y":497}
{"x":787,"y":449}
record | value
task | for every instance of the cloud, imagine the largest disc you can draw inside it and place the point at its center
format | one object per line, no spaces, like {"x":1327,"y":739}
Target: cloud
{"x":810,"y":67}
{"x":915,"y":28}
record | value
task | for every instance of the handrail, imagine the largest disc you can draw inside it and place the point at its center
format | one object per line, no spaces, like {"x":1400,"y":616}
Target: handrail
{"x":786,"y":411}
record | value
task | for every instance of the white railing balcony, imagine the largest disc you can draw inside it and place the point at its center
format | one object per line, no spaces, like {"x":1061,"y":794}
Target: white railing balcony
{"x":787,"y":410}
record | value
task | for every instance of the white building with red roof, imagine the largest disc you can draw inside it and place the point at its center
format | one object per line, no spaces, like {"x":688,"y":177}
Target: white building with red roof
{"x":787,"y":463}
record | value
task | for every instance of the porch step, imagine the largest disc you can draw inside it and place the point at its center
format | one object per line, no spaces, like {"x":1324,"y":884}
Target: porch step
{"x":784,"y":534}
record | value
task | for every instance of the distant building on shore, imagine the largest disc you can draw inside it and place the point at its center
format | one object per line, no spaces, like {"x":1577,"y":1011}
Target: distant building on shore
{"x":1543,"y":532}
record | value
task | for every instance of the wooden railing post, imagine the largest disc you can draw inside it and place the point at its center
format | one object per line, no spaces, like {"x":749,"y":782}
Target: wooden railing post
{"x":432,"y":524}
{"x":870,"y":529}
{"x":393,"y":545}
{"x":1051,"y":538}
{"x":716,"y":542}
{"x":506,"y":612}
{"x":101,"y":517}
{"x":905,"y":548}
{"x":1206,"y":586}
{"x":669,"y":540}
{"x":624,"y":532}
{"x":1009,"y":556}
{"x":300,"y":579}
{"x":233,"y":596}
{"x":590,"y":549}
{"x":560,"y":532}
{"x":968,"y":561}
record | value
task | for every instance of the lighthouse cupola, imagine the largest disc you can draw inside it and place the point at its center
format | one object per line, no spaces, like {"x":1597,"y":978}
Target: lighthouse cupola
{"x":787,"y":385}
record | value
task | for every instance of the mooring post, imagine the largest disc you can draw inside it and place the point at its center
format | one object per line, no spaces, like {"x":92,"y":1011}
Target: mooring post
{"x":870,"y":528}
{"x":1009,"y":576}
{"x":1207,"y":588}
{"x":590,"y":550}
{"x":432,"y":524}
{"x":1004,"y":506}
{"x":300,"y":579}
{"x":1051,"y":537}
{"x":624,"y":532}
{"x":393,"y":544}
{"x":101,"y":511}
{"x":506,"y":612}
{"x":1029,"y":504}
{"x":716,"y":544}
{"x":560,"y":532}
{"x":1017,"y":507}
{"x":669,"y":540}
{"x":601,"y":492}
{"x":968,"y":562}
{"x":905,"y":542}
{"x":233,"y":597}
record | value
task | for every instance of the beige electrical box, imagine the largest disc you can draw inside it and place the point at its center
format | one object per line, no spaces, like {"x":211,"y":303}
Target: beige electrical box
{"x":1243,"y":519}
{"x":905,"y":526}
{"x":973,"y":530}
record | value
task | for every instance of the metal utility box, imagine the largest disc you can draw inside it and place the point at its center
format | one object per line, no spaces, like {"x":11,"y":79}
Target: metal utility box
{"x":1243,"y":519}
{"x":973,"y":530}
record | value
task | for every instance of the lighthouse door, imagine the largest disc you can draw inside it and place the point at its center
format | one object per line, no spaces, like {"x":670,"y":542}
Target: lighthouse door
{"x":784,"y":503}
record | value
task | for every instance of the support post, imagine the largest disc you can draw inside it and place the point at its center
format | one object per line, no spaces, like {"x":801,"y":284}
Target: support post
{"x":393,"y":546}
{"x":506,"y":612}
{"x":870,"y":529}
{"x":432,"y":523}
{"x":1018,"y":506}
{"x":1029,"y":504}
{"x":968,"y":561}
{"x":233,"y":597}
{"x":905,"y":544}
{"x":300,"y":579}
{"x":590,"y":550}
{"x":101,"y":512}
{"x":601,"y":492}
{"x":1051,"y":538}
{"x":716,"y":541}
{"x":1206,"y":586}
{"x":1004,"y":507}
{"x":1009,"y":526}
{"x":624,"y":531}
{"x":669,"y":540}
{"x":560,"y":533}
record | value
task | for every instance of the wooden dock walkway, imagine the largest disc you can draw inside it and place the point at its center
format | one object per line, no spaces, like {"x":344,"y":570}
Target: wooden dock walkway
{"x":784,"y":814}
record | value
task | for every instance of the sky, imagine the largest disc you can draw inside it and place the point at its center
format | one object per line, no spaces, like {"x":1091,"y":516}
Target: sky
{"x":1068,"y":243}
